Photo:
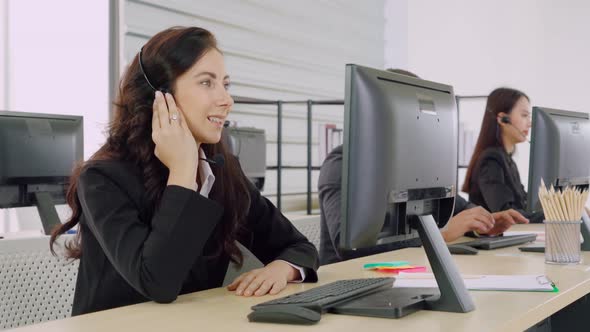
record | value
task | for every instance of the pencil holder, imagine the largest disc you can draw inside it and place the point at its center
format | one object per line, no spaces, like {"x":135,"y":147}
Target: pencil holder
{"x":562,"y":242}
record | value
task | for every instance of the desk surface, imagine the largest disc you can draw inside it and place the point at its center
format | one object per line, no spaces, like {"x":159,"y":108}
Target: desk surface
{"x":218,"y":309}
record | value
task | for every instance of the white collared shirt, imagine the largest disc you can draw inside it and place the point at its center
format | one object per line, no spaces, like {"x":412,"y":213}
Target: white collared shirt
{"x":208,"y":179}
{"x":205,"y":175}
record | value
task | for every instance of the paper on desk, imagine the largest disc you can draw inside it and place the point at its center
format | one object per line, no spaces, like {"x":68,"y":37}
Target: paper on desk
{"x":524,"y":282}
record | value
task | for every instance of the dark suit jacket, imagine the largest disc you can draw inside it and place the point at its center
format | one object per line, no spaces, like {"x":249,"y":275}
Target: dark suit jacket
{"x":495,"y":184}
{"x":129,"y":257}
{"x":330,"y":188}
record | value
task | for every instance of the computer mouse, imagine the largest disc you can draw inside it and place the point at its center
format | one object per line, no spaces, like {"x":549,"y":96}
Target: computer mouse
{"x":459,"y":249}
{"x":285,"y":314}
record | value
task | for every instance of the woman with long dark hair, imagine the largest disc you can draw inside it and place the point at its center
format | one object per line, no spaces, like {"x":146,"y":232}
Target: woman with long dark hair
{"x":154,"y":219}
{"x":492,"y":179}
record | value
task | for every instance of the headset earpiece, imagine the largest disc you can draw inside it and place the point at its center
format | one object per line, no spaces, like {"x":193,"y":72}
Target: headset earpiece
{"x":506,"y":120}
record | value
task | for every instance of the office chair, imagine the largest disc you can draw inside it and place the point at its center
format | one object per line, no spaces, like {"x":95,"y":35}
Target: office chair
{"x":310,"y":227}
{"x":35,"y":286}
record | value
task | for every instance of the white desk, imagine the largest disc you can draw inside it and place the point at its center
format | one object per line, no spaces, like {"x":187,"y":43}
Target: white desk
{"x":220,"y":310}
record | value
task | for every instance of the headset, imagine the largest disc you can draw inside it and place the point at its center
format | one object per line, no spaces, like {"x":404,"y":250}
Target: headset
{"x":506,"y":120}
{"x":218,"y":159}
{"x":164,"y":89}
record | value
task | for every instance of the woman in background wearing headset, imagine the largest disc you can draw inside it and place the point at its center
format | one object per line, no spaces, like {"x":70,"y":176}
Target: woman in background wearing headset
{"x":492,"y":179}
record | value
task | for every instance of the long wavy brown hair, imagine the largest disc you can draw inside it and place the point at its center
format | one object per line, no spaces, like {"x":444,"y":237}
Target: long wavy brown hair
{"x":501,"y":100}
{"x":165,"y":57}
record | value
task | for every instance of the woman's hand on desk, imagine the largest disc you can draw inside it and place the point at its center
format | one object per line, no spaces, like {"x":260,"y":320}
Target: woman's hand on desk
{"x":505,"y":219}
{"x":475,"y":219}
{"x":272,"y":279}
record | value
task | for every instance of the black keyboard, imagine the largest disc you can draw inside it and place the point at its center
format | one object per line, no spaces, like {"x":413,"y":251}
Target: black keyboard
{"x":488,"y":243}
{"x":305,"y":307}
{"x":332,"y":292}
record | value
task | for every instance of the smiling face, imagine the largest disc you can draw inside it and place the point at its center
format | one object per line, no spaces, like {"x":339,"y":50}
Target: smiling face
{"x":202,"y":95}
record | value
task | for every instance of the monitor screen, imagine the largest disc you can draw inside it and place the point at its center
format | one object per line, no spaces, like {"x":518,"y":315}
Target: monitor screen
{"x":560,"y":151}
{"x":37,"y":153}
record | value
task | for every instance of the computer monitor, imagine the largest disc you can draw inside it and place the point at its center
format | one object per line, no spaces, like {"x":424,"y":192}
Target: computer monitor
{"x":37,"y":155}
{"x":400,"y":168}
{"x":248,"y":144}
{"x":399,"y":146}
{"x":560,"y":151}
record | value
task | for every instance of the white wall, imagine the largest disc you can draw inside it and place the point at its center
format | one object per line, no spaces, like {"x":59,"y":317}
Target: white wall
{"x":58,"y":63}
{"x":538,"y":46}
{"x":58,"y":56}
{"x":3,"y":53}
{"x":396,"y":34}
{"x":290,"y":50}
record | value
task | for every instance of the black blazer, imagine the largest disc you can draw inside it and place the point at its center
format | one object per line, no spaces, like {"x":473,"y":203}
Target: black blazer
{"x":128,"y":258}
{"x":495,"y":184}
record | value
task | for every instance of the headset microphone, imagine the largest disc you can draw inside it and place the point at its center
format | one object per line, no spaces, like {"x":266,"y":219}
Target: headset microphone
{"x":505,"y":119}
{"x":217,"y":160}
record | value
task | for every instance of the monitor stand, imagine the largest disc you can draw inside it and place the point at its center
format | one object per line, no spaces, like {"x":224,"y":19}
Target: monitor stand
{"x":47,"y":211}
{"x":451,"y":296}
